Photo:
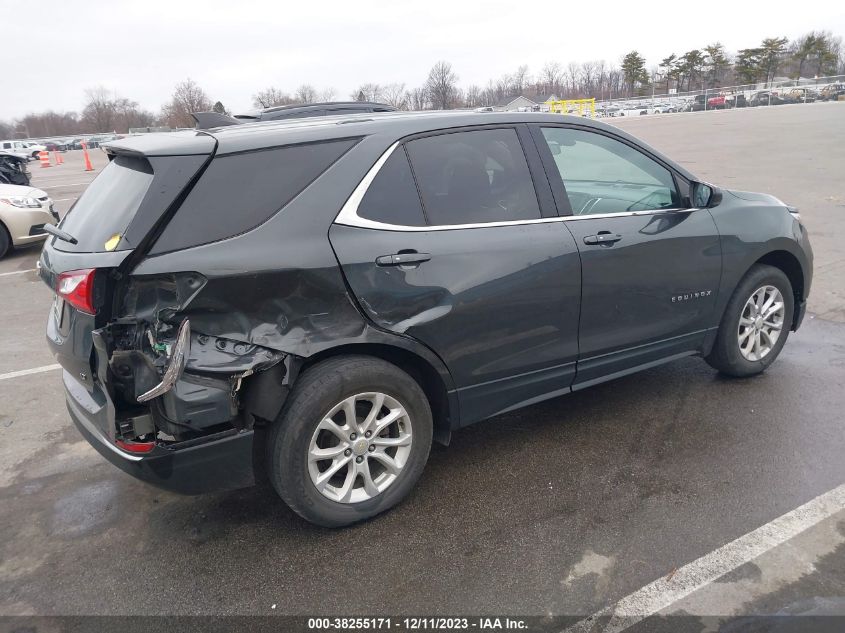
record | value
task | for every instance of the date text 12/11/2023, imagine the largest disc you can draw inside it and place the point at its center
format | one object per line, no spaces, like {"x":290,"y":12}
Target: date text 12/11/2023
{"x":417,"y":623}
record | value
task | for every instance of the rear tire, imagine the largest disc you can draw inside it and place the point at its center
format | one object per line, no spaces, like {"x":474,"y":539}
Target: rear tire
{"x":754,"y":330}
{"x":368,"y":474}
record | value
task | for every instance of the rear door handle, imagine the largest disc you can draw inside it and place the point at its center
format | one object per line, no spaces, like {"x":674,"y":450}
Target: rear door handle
{"x":604,"y":237}
{"x":403,"y":259}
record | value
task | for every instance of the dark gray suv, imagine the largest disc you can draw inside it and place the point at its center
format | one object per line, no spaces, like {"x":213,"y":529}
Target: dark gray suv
{"x":313,"y":302}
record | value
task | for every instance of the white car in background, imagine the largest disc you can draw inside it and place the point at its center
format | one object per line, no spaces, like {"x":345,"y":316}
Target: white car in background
{"x":23,"y":213}
{"x":22,"y":148}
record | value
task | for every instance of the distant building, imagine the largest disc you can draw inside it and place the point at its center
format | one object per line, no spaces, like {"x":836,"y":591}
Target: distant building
{"x":525,"y":103}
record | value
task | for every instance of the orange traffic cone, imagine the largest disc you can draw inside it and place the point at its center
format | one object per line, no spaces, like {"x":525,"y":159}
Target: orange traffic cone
{"x":88,"y":165}
{"x":44,"y":157}
{"x":56,"y":158}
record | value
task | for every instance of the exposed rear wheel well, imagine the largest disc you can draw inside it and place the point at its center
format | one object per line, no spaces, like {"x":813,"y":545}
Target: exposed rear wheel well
{"x":418,"y":368}
{"x":791,"y":267}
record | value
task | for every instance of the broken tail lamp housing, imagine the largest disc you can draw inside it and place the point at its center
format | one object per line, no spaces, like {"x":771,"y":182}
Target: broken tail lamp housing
{"x":176,"y":363}
{"x":77,"y":288}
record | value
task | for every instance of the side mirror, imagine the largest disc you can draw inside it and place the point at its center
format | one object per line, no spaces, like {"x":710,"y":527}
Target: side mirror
{"x":703,"y":195}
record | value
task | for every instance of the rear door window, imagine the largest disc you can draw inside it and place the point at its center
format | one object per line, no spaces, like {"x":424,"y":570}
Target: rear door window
{"x":392,"y":196}
{"x":473,"y":177}
{"x":108,"y":205}
{"x":238,"y":192}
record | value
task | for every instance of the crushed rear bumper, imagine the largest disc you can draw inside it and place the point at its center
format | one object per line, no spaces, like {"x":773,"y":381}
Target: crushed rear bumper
{"x":212,"y":464}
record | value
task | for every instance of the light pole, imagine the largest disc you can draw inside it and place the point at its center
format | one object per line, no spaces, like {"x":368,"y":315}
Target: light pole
{"x":655,"y":77}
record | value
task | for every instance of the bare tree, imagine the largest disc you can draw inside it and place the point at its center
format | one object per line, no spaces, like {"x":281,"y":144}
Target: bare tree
{"x":129,"y":115}
{"x":99,"y":111}
{"x":520,"y":80}
{"x":270,"y":97}
{"x":187,"y":97}
{"x":327,"y":94}
{"x":7,"y":130}
{"x":572,"y":72}
{"x":441,"y":85}
{"x":588,"y":78}
{"x":475,"y":97}
{"x":306,"y":93}
{"x":395,"y":95}
{"x":551,"y":77}
{"x":367,"y":92}
{"x":418,"y":99}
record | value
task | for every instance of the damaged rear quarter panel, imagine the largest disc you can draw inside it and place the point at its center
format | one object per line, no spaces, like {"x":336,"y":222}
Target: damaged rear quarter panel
{"x":279,"y":286}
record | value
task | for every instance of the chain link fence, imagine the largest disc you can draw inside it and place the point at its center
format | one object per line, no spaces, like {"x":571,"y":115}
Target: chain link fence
{"x":777,"y":92}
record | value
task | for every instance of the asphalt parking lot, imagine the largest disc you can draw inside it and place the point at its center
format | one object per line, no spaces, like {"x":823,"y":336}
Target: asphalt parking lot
{"x":565,"y":507}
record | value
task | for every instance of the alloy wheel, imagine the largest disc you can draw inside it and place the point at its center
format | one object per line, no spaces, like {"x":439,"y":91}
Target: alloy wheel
{"x":360,"y":447}
{"x":760,"y":323}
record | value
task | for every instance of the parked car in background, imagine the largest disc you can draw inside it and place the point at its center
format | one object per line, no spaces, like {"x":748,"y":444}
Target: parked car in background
{"x":698,"y":103}
{"x":319,"y":302}
{"x":24,"y":211}
{"x":832,"y":92}
{"x":19,"y":148}
{"x":766,"y":97}
{"x":716,"y":102}
{"x":207,"y":120}
{"x":14,"y":169}
{"x":802,"y":95}
{"x":35,"y":148}
{"x":735,"y":100}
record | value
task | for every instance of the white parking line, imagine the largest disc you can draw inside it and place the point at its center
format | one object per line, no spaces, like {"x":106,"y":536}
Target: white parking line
{"x":665,"y":591}
{"x":70,"y":184}
{"x":18,"y":272}
{"x":27,"y":372}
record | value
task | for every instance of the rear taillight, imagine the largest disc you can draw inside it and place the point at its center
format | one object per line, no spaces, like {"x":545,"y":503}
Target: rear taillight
{"x":135,"y":447}
{"x":77,"y":288}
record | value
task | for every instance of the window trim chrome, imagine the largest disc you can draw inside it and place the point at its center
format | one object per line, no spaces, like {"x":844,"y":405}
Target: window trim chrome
{"x":348,"y":215}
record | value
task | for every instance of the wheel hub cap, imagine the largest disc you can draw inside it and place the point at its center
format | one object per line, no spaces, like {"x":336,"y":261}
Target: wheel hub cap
{"x":360,"y":447}
{"x":760,"y":323}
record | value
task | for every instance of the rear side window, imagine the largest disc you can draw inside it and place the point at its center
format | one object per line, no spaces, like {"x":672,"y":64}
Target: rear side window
{"x":108,"y":205}
{"x":241,"y":191}
{"x":392,"y":196}
{"x":473,"y":177}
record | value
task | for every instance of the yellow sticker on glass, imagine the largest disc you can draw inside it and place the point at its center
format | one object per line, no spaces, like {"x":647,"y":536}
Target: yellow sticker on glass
{"x":112,"y":242}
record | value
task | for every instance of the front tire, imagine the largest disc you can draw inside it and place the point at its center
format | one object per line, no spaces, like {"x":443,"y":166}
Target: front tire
{"x":351,"y":441}
{"x":755,"y":324}
{"x":5,"y":241}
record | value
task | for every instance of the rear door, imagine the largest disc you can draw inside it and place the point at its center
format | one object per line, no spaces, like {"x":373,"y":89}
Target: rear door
{"x":650,"y":264}
{"x":449,"y":240}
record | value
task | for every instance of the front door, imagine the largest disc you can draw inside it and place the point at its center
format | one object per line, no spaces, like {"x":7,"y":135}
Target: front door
{"x":458,"y":255}
{"x":650,"y":267}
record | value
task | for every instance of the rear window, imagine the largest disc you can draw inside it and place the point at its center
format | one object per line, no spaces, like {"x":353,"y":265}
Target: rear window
{"x":238,"y":192}
{"x":108,"y":204}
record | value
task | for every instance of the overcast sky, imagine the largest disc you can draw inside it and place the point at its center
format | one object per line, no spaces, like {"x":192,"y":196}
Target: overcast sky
{"x":233,"y":49}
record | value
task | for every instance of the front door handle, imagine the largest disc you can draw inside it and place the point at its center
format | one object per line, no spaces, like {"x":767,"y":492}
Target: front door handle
{"x":403,"y":259}
{"x":604,"y":237}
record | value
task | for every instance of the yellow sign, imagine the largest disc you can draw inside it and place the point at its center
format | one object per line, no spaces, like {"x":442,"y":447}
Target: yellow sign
{"x":568,"y":106}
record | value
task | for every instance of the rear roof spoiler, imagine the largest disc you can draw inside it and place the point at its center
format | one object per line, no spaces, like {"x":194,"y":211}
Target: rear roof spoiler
{"x":208,"y":120}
